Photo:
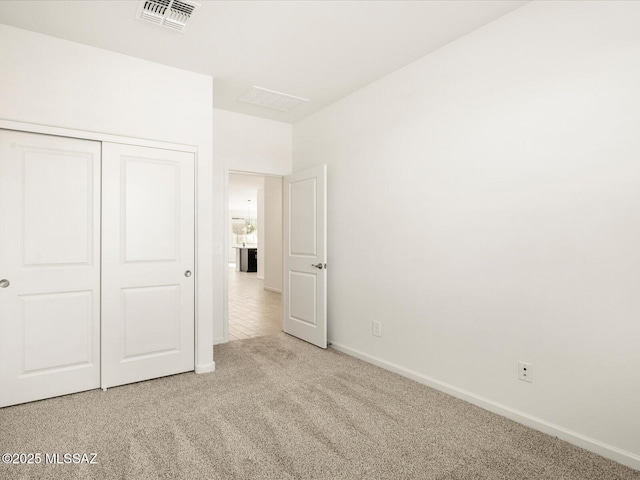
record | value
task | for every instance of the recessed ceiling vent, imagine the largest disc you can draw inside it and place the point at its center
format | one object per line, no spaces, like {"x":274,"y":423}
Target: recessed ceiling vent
{"x":173,"y":14}
{"x":271,"y":99}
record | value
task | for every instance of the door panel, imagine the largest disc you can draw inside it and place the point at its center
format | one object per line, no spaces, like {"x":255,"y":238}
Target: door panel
{"x":305,"y":278}
{"x":151,"y":186}
{"x":148,"y":245}
{"x":303,"y":215}
{"x":54,"y":345}
{"x":48,"y":205}
{"x":303,"y":289}
{"x":151,"y":320}
{"x":49,"y":252}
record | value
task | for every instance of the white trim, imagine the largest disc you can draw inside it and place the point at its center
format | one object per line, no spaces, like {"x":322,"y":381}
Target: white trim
{"x":219,"y":340}
{"x":260,"y":278}
{"x":271,"y":289}
{"x":196,"y":282}
{"x":247,"y":172}
{"x":88,"y":135}
{"x":609,"y":451}
{"x":209,"y":367}
{"x":225,"y":255}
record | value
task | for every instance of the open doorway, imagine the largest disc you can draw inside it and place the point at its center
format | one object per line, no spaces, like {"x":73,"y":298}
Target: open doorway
{"x":255,"y":255}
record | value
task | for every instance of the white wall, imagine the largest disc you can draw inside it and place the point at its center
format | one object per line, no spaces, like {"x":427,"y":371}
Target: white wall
{"x":250,"y":144}
{"x":273,"y":233}
{"x":244,"y":143}
{"x":59,"y":83}
{"x":509,"y":159}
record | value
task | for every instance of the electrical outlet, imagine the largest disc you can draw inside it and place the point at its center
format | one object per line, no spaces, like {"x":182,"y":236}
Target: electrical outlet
{"x":377,"y":329}
{"x":524,"y":372}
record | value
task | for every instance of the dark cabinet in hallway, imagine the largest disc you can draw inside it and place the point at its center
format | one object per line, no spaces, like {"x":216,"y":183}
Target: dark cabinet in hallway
{"x":248,"y":259}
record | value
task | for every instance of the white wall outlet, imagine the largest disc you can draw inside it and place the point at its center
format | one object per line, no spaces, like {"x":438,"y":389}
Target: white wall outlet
{"x":524,"y":372}
{"x":377,"y":329}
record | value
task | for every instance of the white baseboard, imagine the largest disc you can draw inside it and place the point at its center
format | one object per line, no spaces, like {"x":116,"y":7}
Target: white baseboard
{"x":271,"y":289}
{"x":609,"y":451}
{"x":209,"y":367}
{"x":259,"y":277}
{"x":219,"y":340}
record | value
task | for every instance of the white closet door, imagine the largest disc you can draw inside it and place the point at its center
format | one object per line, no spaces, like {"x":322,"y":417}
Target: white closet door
{"x":147,"y":263}
{"x":49,"y":266}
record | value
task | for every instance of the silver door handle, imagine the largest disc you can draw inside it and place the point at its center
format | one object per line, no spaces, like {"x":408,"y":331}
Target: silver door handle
{"x":4,"y":283}
{"x":187,"y":273}
{"x":318,"y":265}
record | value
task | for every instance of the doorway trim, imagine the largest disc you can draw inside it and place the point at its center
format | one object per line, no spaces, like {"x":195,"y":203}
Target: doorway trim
{"x":225,"y":247}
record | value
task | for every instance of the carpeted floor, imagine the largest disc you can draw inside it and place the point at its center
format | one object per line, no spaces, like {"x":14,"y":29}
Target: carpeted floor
{"x":278,"y":408}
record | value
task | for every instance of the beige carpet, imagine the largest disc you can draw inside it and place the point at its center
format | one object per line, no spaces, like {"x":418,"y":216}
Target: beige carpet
{"x":278,"y":408}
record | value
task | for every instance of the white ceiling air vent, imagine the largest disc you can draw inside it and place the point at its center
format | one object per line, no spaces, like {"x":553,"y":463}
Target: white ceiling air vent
{"x":173,"y":14}
{"x":271,"y":99}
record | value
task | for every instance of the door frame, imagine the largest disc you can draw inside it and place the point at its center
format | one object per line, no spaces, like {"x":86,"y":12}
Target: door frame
{"x":142,"y":142}
{"x":225,"y":247}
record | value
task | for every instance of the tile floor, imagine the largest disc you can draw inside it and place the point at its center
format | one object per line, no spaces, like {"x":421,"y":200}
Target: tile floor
{"x":253,"y":311}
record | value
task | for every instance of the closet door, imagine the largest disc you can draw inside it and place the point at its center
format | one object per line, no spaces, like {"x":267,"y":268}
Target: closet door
{"x":49,"y":266}
{"x":147,"y":263}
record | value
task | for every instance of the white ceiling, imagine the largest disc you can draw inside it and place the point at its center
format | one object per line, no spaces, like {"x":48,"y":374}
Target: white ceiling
{"x":320,"y":50}
{"x":242,"y":188}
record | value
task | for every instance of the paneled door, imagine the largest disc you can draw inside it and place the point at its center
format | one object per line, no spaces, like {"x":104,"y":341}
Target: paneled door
{"x":148,"y":208}
{"x":305,"y":255}
{"x":49,"y":266}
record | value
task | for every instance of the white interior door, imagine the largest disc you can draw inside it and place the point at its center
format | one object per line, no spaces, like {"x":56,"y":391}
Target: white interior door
{"x":305,"y":261}
{"x":49,"y":266}
{"x":148,"y":263}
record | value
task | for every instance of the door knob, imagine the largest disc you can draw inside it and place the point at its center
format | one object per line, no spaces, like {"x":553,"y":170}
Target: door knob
{"x":318,"y":265}
{"x":4,"y":283}
{"x":187,"y":273}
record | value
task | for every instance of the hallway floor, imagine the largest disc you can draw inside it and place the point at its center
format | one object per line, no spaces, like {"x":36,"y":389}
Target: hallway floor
{"x":253,"y":311}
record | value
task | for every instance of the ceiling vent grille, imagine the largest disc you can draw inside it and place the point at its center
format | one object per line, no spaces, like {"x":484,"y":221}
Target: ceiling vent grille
{"x":271,"y":99}
{"x":172,"y":14}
